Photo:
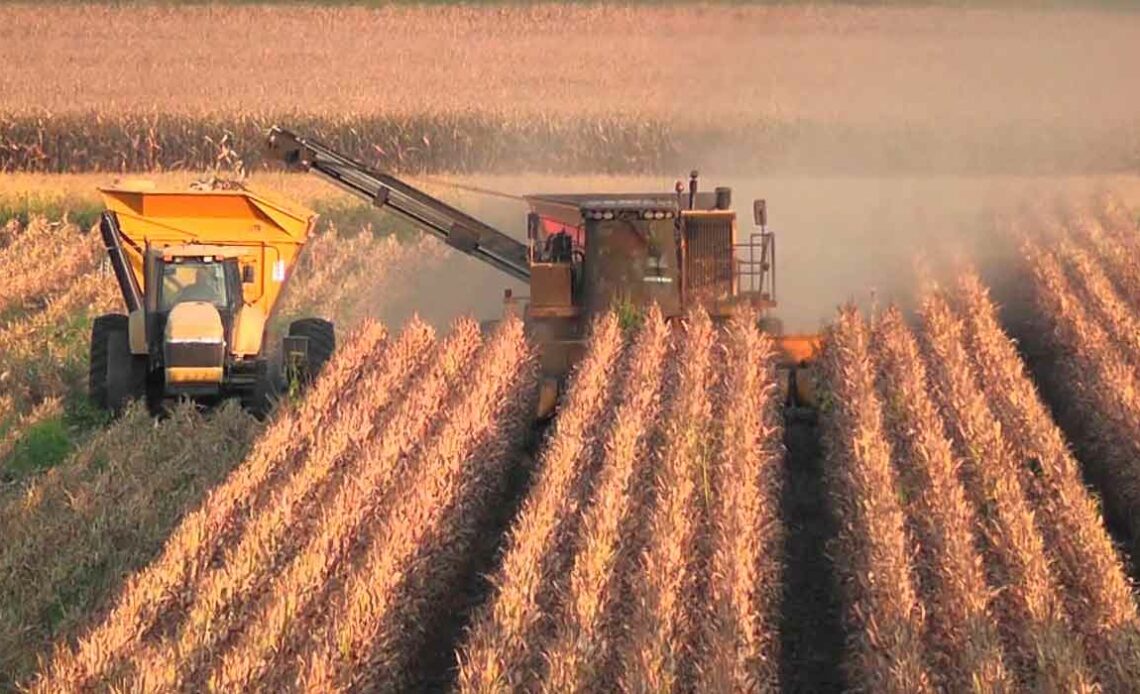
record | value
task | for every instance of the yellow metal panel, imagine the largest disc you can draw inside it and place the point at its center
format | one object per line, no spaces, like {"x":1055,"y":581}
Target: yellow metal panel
{"x":136,"y":331}
{"x":193,"y":374}
{"x":249,"y":326}
{"x":194,"y":321}
{"x":550,"y":284}
{"x":797,"y":349}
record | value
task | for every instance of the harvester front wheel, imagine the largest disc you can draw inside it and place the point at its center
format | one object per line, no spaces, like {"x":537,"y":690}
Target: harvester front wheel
{"x":116,"y":376}
{"x":321,"y":336}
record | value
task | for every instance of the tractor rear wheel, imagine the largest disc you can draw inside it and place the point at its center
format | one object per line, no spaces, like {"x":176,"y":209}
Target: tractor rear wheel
{"x":321,"y":337}
{"x":116,"y":376}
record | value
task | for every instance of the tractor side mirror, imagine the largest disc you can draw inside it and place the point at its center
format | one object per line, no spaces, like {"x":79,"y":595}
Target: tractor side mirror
{"x":247,"y":276}
{"x":760,"y":212}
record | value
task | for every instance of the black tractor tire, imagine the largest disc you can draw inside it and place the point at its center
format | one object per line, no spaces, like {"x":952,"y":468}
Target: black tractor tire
{"x":259,"y":400}
{"x":116,"y":376}
{"x":322,"y":341}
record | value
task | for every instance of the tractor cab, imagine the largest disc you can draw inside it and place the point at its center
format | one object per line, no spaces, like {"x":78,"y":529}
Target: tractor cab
{"x":194,"y":272}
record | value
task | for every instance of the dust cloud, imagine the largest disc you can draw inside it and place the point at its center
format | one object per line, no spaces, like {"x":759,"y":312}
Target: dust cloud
{"x":871,"y":241}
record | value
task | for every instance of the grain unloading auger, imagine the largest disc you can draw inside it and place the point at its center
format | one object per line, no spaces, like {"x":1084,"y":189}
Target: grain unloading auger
{"x":596,"y":252}
{"x":200,"y":272}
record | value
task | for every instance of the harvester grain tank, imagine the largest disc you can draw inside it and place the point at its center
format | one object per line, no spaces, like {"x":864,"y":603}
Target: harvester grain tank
{"x":596,"y":252}
{"x":201,"y":272}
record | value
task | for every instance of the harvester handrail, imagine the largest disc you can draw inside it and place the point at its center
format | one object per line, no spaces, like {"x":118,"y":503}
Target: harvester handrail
{"x":454,"y":227}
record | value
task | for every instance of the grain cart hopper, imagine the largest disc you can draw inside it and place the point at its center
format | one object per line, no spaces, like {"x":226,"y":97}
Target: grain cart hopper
{"x":200,"y":273}
{"x":596,"y":252}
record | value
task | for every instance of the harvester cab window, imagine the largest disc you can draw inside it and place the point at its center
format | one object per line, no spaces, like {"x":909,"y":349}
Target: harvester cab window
{"x":559,"y":247}
{"x":193,"y":280}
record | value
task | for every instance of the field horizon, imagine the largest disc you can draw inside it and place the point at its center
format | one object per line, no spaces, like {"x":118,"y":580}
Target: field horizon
{"x":753,"y":89}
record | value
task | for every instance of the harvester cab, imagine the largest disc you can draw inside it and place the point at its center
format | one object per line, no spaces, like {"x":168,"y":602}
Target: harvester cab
{"x":200,"y":273}
{"x":585,"y":254}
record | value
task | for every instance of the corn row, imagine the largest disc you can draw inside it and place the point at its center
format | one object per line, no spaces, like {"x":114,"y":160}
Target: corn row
{"x":1114,"y":252}
{"x":197,"y":539}
{"x":1101,"y":384}
{"x":499,"y":653}
{"x":1117,"y":218}
{"x":962,"y":636}
{"x":885,"y":650}
{"x":664,"y":625}
{"x":587,"y":629}
{"x":1098,"y":594}
{"x":1046,"y":653}
{"x":1117,"y":318}
{"x":427,"y":528}
{"x":44,"y":354}
{"x":41,"y":245}
{"x":742,"y":645}
{"x":263,"y":643}
{"x":272,"y":536}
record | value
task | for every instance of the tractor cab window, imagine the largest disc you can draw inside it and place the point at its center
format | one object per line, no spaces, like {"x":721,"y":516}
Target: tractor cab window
{"x":193,"y":280}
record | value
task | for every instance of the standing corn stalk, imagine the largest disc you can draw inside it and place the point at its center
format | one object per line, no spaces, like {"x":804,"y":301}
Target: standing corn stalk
{"x":265,"y":645}
{"x":272,"y":536}
{"x":500,"y":652}
{"x":662,"y":646}
{"x":962,"y":635}
{"x":428,"y":529}
{"x":587,"y":628}
{"x":885,"y":649}
{"x":1099,"y":381}
{"x":1045,"y":652}
{"x":1098,"y":595}
{"x":742,"y":643}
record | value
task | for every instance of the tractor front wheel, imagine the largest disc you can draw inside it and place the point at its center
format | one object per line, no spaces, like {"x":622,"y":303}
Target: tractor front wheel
{"x":116,"y":376}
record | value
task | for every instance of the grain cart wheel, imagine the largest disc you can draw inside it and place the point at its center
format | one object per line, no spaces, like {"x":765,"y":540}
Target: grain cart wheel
{"x":116,"y":376}
{"x":320,"y":339}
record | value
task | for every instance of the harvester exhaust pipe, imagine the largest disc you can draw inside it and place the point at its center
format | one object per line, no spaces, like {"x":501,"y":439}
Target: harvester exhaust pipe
{"x":113,"y":241}
{"x":693,"y":175}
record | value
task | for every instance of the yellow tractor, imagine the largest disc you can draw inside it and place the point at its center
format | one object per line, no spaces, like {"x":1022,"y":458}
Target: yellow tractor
{"x":200,"y":272}
{"x":596,"y":252}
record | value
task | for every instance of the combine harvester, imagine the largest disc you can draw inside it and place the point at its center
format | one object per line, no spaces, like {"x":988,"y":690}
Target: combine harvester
{"x":596,"y":252}
{"x":200,"y":272}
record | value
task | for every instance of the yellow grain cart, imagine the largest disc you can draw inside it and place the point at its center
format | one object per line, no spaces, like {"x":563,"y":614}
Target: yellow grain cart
{"x":200,"y":272}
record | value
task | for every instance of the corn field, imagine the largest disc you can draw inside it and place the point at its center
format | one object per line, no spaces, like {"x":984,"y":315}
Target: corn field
{"x":447,"y":88}
{"x":407,"y":525}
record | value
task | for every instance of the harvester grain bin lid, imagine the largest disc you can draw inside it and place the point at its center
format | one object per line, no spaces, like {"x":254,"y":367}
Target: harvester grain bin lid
{"x":166,"y":216}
